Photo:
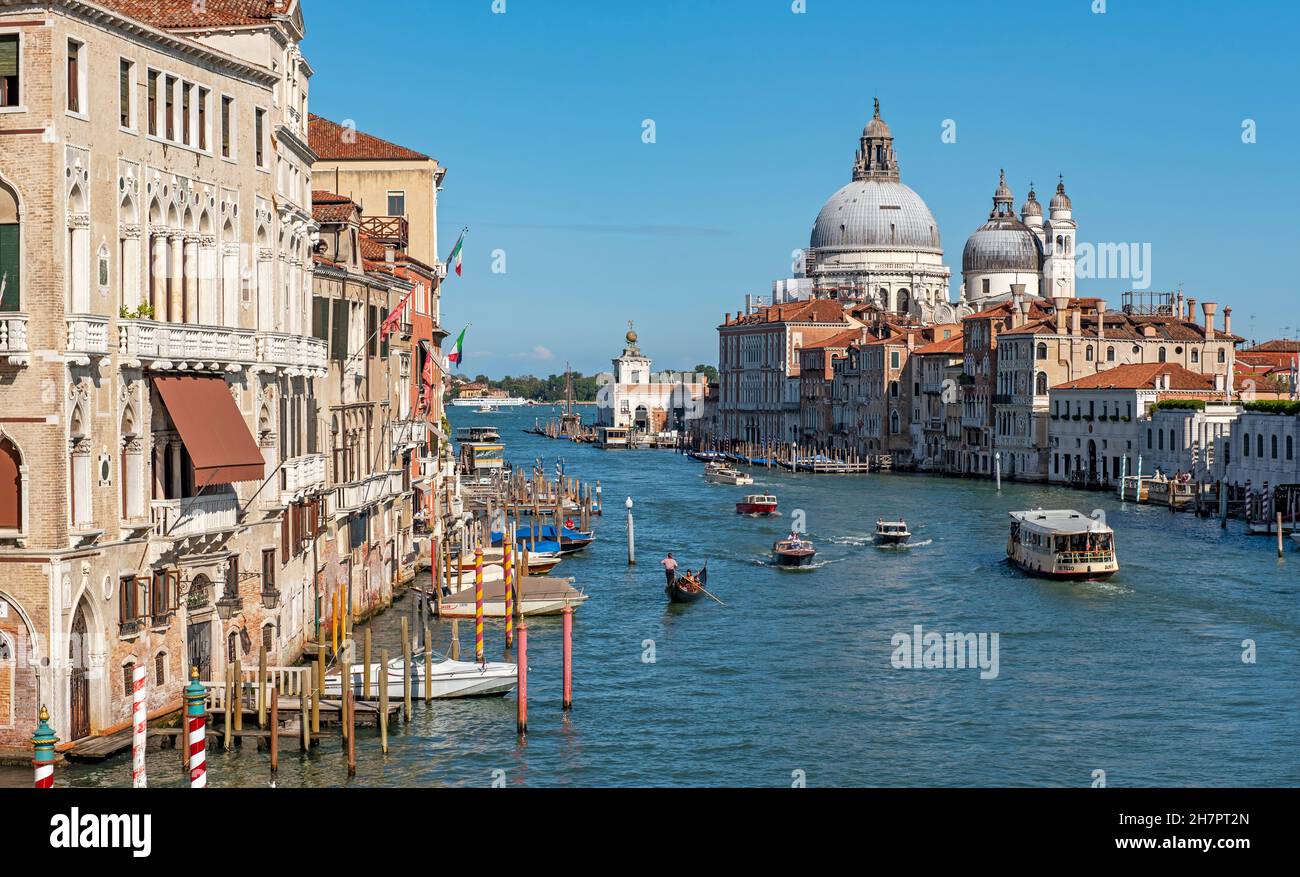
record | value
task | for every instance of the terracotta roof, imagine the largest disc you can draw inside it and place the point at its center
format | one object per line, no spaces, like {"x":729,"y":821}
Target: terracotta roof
{"x":1142,"y":376}
{"x":182,"y":14}
{"x":326,"y":207}
{"x":333,"y":142}
{"x":953,"y":345}
{"x":1276,"y":346}
{"x":840,"y":339}
{"x":815,"y":310}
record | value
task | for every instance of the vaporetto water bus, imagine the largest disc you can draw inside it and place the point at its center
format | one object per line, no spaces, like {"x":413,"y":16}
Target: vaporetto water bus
{"x":1062,"y":544}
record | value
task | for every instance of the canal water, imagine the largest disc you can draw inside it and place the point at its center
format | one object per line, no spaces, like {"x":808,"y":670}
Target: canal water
{"x":1141,"y":677}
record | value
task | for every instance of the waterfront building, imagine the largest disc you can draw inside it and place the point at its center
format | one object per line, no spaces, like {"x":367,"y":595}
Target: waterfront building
{"x":819,"y":364}
{"x":1098,"y":421}
{"x":932,"y":373}
{"x":1080,"y":337}
{"x":168,"y":305}
{"x":638,"y":399}
{"x":366,"y":536}
{"x":396,"y":187}
{"x":1183,"y":437}
{"x":1262,"y":448}
{"x":758,"y":366}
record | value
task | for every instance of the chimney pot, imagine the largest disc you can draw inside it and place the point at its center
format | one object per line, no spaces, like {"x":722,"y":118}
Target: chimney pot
{"x":1209,"y":308}
{"x":1060,"y":302}
{"x":1227,"y":321}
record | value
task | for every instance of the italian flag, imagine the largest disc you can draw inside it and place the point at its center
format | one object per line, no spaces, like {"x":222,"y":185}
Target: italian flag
{"x":458,"y":352}
{"x":455,"y":258}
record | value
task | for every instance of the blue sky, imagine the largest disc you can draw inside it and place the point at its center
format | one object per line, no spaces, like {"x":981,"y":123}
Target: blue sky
{"x":537,"y":113}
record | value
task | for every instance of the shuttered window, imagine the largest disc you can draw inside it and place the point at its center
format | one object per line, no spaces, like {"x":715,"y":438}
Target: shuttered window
{"x":74,"y":76}
{"x":339,"y":330}
{"x":10,"y":267}
{"x":9,"y":95}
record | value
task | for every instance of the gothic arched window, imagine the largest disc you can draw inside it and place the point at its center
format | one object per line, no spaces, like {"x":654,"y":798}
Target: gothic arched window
{"x":10,"y":261}
{"x":11,"y":486}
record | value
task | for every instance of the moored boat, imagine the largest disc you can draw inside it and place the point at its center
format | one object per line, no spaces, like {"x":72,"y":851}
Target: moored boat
{"x":447,"y":678}
{"x":757,"y":504}
{"x":1062,"y":544}
{"x":794,"y":551}
{"x":892,"y":533}
{"x":689,"y":587}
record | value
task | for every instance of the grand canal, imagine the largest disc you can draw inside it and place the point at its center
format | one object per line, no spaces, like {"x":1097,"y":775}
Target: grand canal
{"x":1141,"y":677}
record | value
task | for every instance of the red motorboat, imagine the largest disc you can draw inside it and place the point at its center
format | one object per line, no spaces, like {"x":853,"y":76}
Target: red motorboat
{"x":757,"y":504}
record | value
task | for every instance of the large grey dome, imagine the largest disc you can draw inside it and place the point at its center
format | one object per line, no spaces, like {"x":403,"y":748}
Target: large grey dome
{"x":1002,"y":244}
{"x":876,"y":214}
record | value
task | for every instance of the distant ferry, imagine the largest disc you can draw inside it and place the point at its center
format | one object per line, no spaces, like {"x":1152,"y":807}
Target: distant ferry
{"x":494,"y":401}
{"x":1062,"y":544}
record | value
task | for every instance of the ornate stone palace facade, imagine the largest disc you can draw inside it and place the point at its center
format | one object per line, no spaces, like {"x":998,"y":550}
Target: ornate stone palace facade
{"x":175,"y":488}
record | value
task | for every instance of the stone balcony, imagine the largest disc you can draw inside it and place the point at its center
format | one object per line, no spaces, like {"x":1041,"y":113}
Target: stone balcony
{"x":186,"y":347}
{"x":409,"y":434}
{"x":13,"y":338}
{"x":202,"y":516}
{"x":301,"y":476}
{"x":87,"y":336}
{"x":296,"y":354}
{"x":347,"y":498}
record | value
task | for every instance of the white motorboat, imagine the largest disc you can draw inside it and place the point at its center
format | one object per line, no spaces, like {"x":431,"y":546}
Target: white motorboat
{"x":542,"y":595}
{"x":892,"y":533}
{"x":1062,"y":544}
{"x":447,"y":679}
{"x":719,"y":473}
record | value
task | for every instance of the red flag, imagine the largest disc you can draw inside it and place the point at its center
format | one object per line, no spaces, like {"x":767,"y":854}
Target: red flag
{"x":394,"y":316}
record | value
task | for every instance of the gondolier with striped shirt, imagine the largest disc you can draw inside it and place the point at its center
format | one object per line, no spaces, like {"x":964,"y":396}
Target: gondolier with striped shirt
{"x":670,"y":568}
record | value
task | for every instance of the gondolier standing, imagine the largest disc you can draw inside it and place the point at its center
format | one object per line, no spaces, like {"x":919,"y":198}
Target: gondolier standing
{"x":670,"y":568}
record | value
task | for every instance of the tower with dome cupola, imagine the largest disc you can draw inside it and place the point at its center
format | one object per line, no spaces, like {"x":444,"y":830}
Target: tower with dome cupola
{"x":1060,"y":238}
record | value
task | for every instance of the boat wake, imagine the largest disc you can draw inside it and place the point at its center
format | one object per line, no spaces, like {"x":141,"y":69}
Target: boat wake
{"x":906,"y":545}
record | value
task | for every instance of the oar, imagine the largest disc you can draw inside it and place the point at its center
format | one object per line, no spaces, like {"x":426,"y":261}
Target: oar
{"x":700,"y":585}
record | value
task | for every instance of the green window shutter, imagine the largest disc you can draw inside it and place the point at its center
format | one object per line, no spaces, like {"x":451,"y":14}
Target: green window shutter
{"x":10,"y":268}
{"x":320,"y":318}
{"x":339,"y":333}
{"x":9,"y":55}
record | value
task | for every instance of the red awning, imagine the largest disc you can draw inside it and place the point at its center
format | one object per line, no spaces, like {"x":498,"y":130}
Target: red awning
{"x":218,"y":441}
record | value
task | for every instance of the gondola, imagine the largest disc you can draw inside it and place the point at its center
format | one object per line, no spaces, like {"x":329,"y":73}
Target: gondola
{"x":688,"y":590}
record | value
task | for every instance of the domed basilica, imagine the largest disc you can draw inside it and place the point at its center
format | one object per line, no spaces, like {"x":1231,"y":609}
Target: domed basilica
{"x":876,"y":240}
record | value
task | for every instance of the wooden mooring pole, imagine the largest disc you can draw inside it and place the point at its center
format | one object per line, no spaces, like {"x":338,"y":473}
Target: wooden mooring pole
{"x":365,"y":650}
{"x":350,"y":718}
{"x":406,"y":672}
{"x":566,"y":701}
{"x":275,"y":729}
{"x":521,"y":669}
{"x":383,"y":700}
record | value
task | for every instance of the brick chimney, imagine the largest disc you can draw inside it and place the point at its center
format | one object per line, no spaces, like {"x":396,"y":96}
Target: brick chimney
{"x":1101,"y":324}
{"x":1191,"y":310}
{"x":1076,"y":322}
{"x":1208,"y":308}
{"x":1060,"y":303}
{"x":1227,"y":321}
{"x":1017,"y":300}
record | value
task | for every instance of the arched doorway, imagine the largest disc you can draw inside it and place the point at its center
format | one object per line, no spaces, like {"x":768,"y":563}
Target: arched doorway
{"x":79,"y":679}
{"x":642,"y":418}
{"x":198,"y":636}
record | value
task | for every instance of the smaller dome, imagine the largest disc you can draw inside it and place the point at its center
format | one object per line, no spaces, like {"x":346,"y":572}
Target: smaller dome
{"x":1031,"y":207}
{"x":631,"y":337}
{"x":1002,"y":244}
{"x":1060,"y":201}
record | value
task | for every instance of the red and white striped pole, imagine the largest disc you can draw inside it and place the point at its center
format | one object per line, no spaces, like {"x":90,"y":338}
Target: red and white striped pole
{"x":478,"y":606}
{"x":43,"y":751}
{"x":138,"y":732}
{"x":196,"y":725}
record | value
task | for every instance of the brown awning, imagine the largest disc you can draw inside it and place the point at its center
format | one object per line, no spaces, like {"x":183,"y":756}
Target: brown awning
{"x":215,"y":435}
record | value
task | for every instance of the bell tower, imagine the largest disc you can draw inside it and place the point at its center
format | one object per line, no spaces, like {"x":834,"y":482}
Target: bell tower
{"x":1059,"y":239}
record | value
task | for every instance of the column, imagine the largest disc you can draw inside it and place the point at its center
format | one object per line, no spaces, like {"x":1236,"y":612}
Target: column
{"x":265,"y":291}
{"x":175,"y":489}
{"x":190,"y":276}
{"x":79,"y":268}
{"x":130,"y":276}
{"x":230,"y":285}
{"x":158,"y":275}
{"x":134,"y":479}
{"x":209,"y":309}
{"x":176,"y":279}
